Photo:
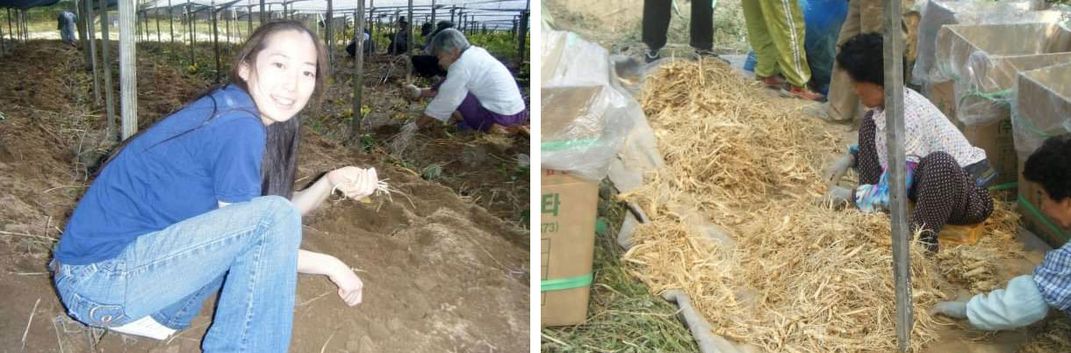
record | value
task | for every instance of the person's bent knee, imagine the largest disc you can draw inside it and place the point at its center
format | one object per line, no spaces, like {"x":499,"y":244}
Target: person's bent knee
{"x":284,"y":217}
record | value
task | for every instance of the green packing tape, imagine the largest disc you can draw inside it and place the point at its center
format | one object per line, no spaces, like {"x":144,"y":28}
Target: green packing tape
{"x":1044,"y":219}
{"x":552,"y":146}
{"x":1005,"y":186}
{"x":548,"y":285}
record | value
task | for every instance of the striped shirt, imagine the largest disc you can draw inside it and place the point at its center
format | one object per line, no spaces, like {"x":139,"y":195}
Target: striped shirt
{"x":926,"y":130}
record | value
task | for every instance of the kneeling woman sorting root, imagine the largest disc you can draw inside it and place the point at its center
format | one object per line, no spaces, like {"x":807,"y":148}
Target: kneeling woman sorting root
{"x":202,"y":202}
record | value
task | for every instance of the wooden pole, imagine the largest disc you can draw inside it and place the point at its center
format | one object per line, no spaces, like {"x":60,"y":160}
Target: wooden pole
{"x":158,"y":40}
{"x":106,"y":62}
{"x":894,"y":112}
{"x":227,"y":24}
{"x":215,"y":39}
{"x":358,"y":74}
{"x":127,"y":68}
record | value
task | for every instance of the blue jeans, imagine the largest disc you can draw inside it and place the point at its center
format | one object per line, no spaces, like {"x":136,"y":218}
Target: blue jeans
{"x":248,"y":249}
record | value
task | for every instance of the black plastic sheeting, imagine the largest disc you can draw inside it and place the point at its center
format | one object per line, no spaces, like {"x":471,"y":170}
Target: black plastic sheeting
{"x":26,"y":4}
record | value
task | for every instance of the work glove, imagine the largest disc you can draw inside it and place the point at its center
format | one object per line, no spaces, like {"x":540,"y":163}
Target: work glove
{"x":953,"y":309}
{"x":835,"y":171}
{"x":838,"y":197}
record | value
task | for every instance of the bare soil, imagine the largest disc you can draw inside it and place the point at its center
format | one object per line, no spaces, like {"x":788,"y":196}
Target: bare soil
{"x":441,"y":272}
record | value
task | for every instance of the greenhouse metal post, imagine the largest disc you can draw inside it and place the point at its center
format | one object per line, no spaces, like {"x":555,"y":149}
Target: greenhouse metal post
{"x":92,"y":62}
{"x":522,"y":34}
{"x":215,"y":38}
{"x":128,"y":82}
{"x":189,"y":26}
{"x":105,"y":44}
{"x":358,"y":75}
{"x":409,"y":35}
{"x":171,"y":21}
{"x":894,"y":110}
{"x":329,"y":36}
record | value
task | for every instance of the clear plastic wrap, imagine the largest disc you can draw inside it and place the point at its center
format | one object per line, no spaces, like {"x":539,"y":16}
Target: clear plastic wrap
{"x":586,"y":116}
{"x":1042,"y":107}
{"x":983,"y":61}
{"x":937,"y":13}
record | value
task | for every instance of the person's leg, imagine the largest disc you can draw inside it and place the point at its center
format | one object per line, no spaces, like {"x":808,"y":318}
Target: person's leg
{"x":474,"y":116}
{"x":254,"y":243}
{"x":656,"y":15}
{"x":759,"y":38}
{"x":785,"y":27}
{"x":179,"y":315}
{"x":944,"y":193}
{"x":867,"y":165}
{"x":702,"y":25}
{"x":843,"y":103}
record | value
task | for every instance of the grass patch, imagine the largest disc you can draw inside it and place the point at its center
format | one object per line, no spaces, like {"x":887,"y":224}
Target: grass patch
{"x":623,"y":316}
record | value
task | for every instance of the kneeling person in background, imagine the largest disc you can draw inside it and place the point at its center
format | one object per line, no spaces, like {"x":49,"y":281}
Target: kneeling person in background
{"x":479,"y":92}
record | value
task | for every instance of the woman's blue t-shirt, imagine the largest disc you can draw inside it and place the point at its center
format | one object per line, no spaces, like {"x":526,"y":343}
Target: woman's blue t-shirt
{"x":179,"y":168}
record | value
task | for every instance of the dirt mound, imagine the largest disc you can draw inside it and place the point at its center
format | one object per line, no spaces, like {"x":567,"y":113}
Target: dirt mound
{"x":441,"y":273}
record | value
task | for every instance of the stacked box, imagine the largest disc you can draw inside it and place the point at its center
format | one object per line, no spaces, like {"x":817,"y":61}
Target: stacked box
{"x":983,"y":61}
{"x":568,"y":207}
{"x":1042,"y":109}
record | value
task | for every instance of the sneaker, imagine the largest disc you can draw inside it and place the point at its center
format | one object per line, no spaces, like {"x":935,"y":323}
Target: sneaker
{"x":707,"y":53}
{"x":805,"y":93}
{"x":772,"y":82}
{"x":652,"y":56}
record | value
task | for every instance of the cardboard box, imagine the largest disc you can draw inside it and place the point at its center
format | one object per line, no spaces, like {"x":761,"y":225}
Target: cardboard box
{"x":996,"y":139}
{"x":568,"y":207}
{"x":943,"y":95}
{"x":984,"y":61}
{"x":1043,"y":109}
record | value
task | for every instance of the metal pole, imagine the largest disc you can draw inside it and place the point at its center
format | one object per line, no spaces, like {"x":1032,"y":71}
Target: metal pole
{"x":433,"y":15}
{"x":3,"y":43}
{"x":358,"y":75}
{"x":127,"y":68}
{"x":262,"y":14}
{"x":91,"y":63}
{"x":215,"y":38}
{"x":329,"y":36}
{"x":249,"y":21}
{"x":522,"y":35}
{"x":371,"y":21}
{"x":171,"y":21}
{"x":189,"y":25}
{"x":409,"y":33}
{"x":10,"y":32}
{"x":894,"y":112}
{"x":452,"y":9}
{"x":158,"y":40}
{"x":227,"y":25}
{"x":105,"y":43}
{"x":81,"y":26}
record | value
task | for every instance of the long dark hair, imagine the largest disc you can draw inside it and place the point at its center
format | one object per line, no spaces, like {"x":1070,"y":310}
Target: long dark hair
{"x":279,"y":163}
{"x":279,"y":166}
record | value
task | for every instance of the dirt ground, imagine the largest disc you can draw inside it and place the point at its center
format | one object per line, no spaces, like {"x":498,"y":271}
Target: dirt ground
{"x":441,"y":272}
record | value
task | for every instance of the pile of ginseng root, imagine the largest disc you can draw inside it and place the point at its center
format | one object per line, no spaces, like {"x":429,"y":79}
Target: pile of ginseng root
{"x":734,"y":222}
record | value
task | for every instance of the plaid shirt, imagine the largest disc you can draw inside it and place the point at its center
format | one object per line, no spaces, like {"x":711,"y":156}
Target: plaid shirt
{"x":1053,"y":277}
